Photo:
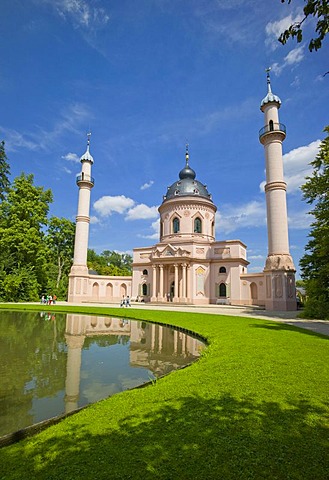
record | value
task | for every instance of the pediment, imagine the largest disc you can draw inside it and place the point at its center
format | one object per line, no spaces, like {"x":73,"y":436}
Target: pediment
{"x":170,"y":251}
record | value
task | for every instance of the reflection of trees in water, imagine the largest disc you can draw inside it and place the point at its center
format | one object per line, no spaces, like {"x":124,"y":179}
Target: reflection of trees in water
{"x":30,"y":357}
{"x":105,"y":340}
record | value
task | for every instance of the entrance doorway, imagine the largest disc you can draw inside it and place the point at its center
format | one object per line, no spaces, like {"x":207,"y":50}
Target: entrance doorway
{"x":172,"y":291}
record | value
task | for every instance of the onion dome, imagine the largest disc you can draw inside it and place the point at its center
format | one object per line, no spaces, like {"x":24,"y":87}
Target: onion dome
{"x":270,"y":97}
{"x":187,"y":185}
{"x":87,"y":157}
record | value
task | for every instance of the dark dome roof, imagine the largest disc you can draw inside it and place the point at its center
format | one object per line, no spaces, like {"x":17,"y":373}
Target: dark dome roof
{"x":187,"y":185}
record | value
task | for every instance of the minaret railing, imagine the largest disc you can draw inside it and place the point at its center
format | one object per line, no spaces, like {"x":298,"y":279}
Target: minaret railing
{"x":84,"y":178}
{"x":272,"y":127}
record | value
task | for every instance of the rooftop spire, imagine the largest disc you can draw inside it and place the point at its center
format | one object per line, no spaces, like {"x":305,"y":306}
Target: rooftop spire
{"x":87,"y":155}
{"x":268,"y":79}
{"x":88,"y":140}
{"x":187,"y":155}
{"x":270,"y":97}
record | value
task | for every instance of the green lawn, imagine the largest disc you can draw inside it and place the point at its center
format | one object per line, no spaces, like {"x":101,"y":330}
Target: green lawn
{"x":256,"y":406}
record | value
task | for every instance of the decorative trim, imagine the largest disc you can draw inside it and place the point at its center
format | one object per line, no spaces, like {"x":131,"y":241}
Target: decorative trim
{"x":275,"y":186}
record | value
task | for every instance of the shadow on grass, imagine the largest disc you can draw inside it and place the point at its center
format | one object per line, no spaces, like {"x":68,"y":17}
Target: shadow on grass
{"x":193,"y":438}
{"x":293,"y":327}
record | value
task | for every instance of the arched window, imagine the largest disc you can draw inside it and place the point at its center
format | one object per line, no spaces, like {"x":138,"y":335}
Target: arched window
{"x":145,"y":272}
{"x":107,"y":322}
{"x":95,"y":290}
{"x":175,"y":225}
{"x":253,"y":291}
{"x":144,"y":289}
{"x":161,"y":229}
{"x":271,"y":125}
{"x":109,"y":290}
{"x":222,"y":290}
{"x":197,"y":225}
{"x":222,"y":270}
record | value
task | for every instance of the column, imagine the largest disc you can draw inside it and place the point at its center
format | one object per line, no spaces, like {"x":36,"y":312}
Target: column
{"x":161,"y":284}
{"x":160,"y":338}
{"x":176,"y":283}
{"x":154,"y":284}
{"x":184,"y":282}
{"x":153,"y":337}
{"x":188,"y":284}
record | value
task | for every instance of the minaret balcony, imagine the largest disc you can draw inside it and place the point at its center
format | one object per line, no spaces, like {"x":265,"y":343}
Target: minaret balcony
{"x":83,"y":178}
{"x":272,"y":128}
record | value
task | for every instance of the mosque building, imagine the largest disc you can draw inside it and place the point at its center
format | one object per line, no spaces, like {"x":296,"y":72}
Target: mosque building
{"x":188,"y":265}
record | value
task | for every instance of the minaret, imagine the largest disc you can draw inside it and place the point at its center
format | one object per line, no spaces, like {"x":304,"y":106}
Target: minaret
{"x":279,"y":268}
{"x":85,"y":182}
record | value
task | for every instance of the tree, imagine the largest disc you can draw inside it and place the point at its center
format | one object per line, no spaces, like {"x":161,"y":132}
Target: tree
{"x":110,"y":262}
{"x":4,"y":172}
{"x":23,"y":250}
{"x":60,"y":240}
{"x":315,"y":262}
{"x":313,"y":8}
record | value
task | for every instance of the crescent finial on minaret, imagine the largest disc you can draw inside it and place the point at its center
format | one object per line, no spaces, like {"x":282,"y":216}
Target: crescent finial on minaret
{"x":268,"y":78}
{"x":186,"y":154}
{"x":88,"y":139}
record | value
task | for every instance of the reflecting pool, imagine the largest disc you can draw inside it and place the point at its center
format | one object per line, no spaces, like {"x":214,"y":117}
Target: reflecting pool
{"x":55,"y":363}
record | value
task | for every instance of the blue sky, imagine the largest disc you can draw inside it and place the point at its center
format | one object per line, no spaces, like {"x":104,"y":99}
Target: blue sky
{"x":146,"y":77}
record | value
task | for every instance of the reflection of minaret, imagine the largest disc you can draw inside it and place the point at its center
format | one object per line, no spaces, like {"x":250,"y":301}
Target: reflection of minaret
{"x":279,"y":268}
{"x":72,"y":384}
{"x":75,"y":336}
{"x":85,"y":183}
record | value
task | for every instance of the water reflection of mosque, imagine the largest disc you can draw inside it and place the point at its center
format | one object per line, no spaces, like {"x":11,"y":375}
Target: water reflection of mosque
{"x":152,"y":346}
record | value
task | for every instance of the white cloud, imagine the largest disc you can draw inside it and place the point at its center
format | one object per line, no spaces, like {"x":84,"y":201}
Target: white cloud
{"x":296,"y":82}
{"x":274,"y":29}
{"x":67,"y":170}
{"x":69,"y":120}
{"x":106,"y":205}
{"x":71,"y":157}
{"x":256,"y":257}
{"x":15,"y":140}
{"x":296,"y":166}
{"x":142,"y":211}
{"x":295,"y":247}
{"x":94,"y":220}
{"x":299,"y":220}
{"x":155,"y":226}
{"x":231,"y":218}
{"x":256,"y":268}
{"x":80,"y":12}
{"x":294,"y":56}
{"x":319,"y":78}
{"x":147,"y":185}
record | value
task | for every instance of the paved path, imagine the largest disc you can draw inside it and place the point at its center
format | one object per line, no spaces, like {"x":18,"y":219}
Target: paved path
{"x":290,"y":318}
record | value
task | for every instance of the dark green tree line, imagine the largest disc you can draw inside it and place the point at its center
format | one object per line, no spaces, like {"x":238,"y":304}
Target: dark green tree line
{"x":110,"y":262}
{"x":35,"y":252}
{"x":60,"y":242}
{"x":315,"y":262}
{"x":23,"y":215}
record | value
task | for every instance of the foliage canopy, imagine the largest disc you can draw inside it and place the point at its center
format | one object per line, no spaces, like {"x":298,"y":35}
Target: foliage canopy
{"x":315,"y":262}
{"x":318,"y":9}
{"x":35,"y":252}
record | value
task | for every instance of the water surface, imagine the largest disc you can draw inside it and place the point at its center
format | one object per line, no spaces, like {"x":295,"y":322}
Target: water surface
{"x":54,"y":363}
